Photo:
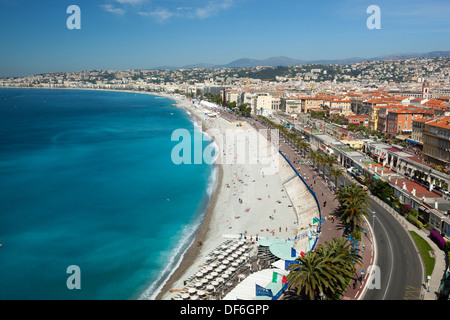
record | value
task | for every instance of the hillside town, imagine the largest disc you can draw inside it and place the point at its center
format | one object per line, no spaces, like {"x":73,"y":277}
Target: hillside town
{"x":387,"y":120}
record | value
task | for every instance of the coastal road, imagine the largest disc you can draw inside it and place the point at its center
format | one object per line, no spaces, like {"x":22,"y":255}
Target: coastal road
{"x":401,"y":271}
{"x":400,"y":268}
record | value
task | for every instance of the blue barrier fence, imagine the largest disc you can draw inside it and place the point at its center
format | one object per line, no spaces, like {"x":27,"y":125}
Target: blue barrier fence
{"x":310,"y":190}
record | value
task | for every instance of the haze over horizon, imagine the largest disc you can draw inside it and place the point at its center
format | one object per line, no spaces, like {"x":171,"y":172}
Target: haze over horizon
{"x":144,"y":34}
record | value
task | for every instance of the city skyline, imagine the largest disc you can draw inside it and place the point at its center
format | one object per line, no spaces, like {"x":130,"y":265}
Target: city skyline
{"x":143,"y":34}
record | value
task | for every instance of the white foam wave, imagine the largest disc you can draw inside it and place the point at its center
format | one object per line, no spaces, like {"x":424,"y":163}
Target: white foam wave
{"x":186,"y":239}
{"x":175,"y":258}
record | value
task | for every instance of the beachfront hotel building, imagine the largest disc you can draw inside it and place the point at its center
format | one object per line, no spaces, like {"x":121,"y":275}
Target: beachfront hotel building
{"x":436,"y":142}
{"x":291,"y":105}
{"x":399,"y":120}
{"x":234,"y":95}
{"x":417,"y":130}
{"x":341,"y":107}
{"x":263,"y":104}
{"x":308,"y":104}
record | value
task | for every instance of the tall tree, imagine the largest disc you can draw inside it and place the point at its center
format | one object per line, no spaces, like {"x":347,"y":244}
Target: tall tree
{"x":353,"y":204}
{"x":336,"y":172}
{"x":326,"y":270}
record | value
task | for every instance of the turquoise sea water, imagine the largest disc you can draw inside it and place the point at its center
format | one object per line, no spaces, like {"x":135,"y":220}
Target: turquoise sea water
{"x":86,"y":179}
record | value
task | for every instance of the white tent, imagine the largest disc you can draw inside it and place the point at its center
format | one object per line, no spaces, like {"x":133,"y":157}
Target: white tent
{"x":209,"y":105}
{"x":246,"y":290}
{"x":279,"y":264}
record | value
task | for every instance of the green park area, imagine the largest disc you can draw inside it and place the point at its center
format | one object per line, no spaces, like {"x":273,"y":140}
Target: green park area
{"x":424,"y":249}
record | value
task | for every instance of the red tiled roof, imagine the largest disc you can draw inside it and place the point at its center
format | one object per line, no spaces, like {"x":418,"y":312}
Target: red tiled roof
{"x":410,"y":185}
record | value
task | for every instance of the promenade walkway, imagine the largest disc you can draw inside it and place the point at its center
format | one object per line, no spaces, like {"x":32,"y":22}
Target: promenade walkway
{"x":333,"y":228}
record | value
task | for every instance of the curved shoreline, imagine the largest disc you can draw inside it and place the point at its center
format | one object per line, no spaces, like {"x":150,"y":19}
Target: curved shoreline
{"x":261,"y":194}
{"x":192,"y":250}
{"x":189,"y":257}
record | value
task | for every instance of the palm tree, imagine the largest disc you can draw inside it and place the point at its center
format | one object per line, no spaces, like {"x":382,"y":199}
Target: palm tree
{"x":304,"y":146}
{"x":312,"y":274}
{"x":353,"y":201}
{"x":336,"y":172}
{"x":323,"y":161}
{"x":331,"y":160}
{"x":327,"y":269}
{"x":341,"y":258}
{"x":314,"y":156}
{"x":350,"y":193}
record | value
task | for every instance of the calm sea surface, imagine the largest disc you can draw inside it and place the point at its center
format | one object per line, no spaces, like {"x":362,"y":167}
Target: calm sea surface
{"x":86,"y":179}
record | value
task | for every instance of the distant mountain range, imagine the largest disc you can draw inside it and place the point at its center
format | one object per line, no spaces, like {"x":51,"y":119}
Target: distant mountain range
{"x":285,"y":61}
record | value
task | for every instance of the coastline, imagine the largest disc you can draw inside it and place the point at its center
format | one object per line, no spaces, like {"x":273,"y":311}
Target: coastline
{"x":190,"y":256}
{"x":220,"y":214}
{"x":187,"y":257}
{"x":266,"y":209}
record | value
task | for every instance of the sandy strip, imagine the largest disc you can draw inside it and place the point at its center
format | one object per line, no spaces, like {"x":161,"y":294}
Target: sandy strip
{"x":245,"y":201}
{"x":268,"y":208}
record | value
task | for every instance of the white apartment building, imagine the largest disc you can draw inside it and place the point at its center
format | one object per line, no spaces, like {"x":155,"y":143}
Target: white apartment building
{"x":263,"y":104}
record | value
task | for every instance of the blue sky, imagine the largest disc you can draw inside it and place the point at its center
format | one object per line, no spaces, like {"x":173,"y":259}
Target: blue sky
{"x":139,"y":34}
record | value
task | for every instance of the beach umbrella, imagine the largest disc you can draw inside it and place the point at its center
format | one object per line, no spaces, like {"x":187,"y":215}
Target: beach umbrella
{"x":201,"y":293}
{"x":214,"y":274}
{"x":226,"y":261}
{"x":209,"y":288}
{"x":185,"y":296}
{"x":221,"y":268}
{"x":213,"y":265}
{"x":234,"y":264}
{"x":198,"y":284}
{"x":235,"y":255}
{"x":204,"y":271}
{"x":199,"y":275}
{"x":225,"y":276}
{"x":192,"y":291}
{"x":194,"y":297}
{"x":209,"y":268}
{"x":219,"y":279}
{"x":204,"y":281}
{"x":209,"y":277}
{"x":215,"y":284}
{"x":221,"y":257}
